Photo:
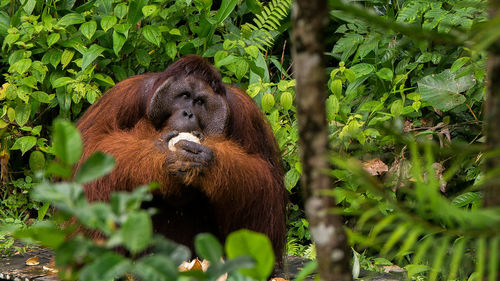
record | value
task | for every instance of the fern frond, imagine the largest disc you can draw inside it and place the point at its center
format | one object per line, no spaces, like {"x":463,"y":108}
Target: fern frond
{"x":266,"y":24}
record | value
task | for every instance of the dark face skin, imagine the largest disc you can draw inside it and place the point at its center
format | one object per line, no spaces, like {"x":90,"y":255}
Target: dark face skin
{"x":188,"y":104}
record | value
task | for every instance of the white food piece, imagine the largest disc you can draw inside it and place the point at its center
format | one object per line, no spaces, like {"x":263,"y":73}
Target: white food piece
{"x":181,"y":136}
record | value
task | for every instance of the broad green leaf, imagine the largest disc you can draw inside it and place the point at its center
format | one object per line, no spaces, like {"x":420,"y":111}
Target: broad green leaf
{"x":121,"y":10}
{"x":459,"y":63}
{"x":109,"y":266}
{"x":443,"y":90}
{"x":42,"y":96}
{"x":267,"y":102}
{"x":23,"y":111}
{"x":30,"y":81}
{"x":171,"y":49}
{"x":104,"y":78}
{"x":286,"y":100}
{"x":88,"y":29}
{"x":291,"y":179}
{"x":175,"y":31}
{"x":350,"y":75}
{"x":226,"y":7}
{"x":62,"y":81}
{"x":152,"y":34}
{"x":332,"y":107}
{"x":67,"y":142}
{"x":149,"y":10}
{"x":208,"y":247}
{"x":53,"y":38}
{"x":256,"y":245}
{"x":108,"y":22}
{"x":72,"y":18}
{"x":253,"y":51}
{"x":37,"y":161}
{"x":21,"y":66}
{"x":90,"y":55}
{"x":45,"y":232}
{"x":96,"y":166}
{"x":156,"y":268}
{"x":28,"y":6}
{"x":362,"y":69}
{"x":385,"y":73}
{"x":336,"y":87}
{"x":118,"y":41}
{"x":66,"y":57}
{"x":135,"y":11}
{"x":137,"y":231}
{"x":143,"y":57}
{"x":397,"y":108}
{"x":24,"y":143}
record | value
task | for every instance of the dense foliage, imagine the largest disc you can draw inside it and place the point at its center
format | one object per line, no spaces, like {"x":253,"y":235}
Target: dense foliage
{"x":406,"y":86}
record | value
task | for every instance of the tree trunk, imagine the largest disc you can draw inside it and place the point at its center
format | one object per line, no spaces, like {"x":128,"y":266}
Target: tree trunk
{"x":310,"y":18}
{"x":492,"y":117}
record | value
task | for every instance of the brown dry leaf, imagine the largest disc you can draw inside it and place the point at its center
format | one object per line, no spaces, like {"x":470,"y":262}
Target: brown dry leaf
{"x":279,"y":279}
{"x":375,"y":167}
{"x":407,"y":126}
{"x":32,"y":261}
{"x":392,"y":268}
{"x":195,"y":264}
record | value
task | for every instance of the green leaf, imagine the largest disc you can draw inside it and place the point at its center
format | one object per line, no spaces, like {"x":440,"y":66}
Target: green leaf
{"x":135,"y":11}
{"x":37,"y":161}
{"x":286,"y":100}
{"x":171,"y":49}
{"x":152,"y":34}
{"x":336,"y":87}
{"x":23,"y":111}
{"x":42,"y":96}
{"x":267,"y":102}
{"x":66,"y":57}
{"x":253,"y":51}
{"x":67,"y":142}
{"x":108,"y":22}
{"x":443,"y":91}
{"x":175,"y":31}
{"x":350,"y":75}
{"x":96,"y":166}
{"x":143,"y":57}
{"x":121,"y":10}
{"x":291,"y":179}
{"x":24,"y":144}
{"x":226,"y":7}
{"x":208,"y":247}
{"x":156,"y":268}
{"x":256,"y":245}
{"x":397,"y":108}
{"x":149,"y":10}
{"x":118,"y":41}
{"x":88,"y":29}
{"x":53,"y":38}
{"x":21,"y":66}
{"x":30,"y":81}
{"x":363,"y":69}
{"x":62,"y":81}
{"x":28,"y":6}
{"x":72,"y":18}
{"x":91,"y":54}
{"x":332,"y":107}
{"x":385,"y":73}
{"x":104,"y":78}
{"x":459,"y":63}
{"x":109,"y":266}
{"x":137,"y":231}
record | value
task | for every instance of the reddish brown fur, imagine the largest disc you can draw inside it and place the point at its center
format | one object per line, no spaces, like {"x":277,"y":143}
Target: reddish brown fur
{"x":242,"y":188}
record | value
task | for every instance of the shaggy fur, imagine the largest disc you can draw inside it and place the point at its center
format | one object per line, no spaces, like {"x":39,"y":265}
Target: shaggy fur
{"x":242,"y":186}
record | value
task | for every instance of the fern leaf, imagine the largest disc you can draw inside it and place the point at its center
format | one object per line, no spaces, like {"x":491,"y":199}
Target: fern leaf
{"x":458,"y":252}
{"x":439,"y":257}
{"x":493,"y":266}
